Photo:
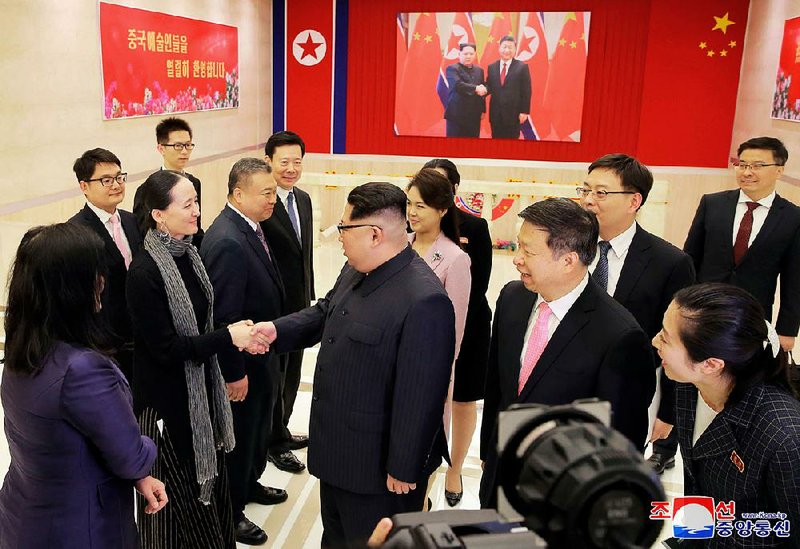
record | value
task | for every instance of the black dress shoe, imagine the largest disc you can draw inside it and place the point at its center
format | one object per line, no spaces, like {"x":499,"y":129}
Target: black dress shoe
{"x":454,"y":497}
{"x":266,"y":495}
{"x":250,"y":534}
{"x":297,"y":442}
{"x":659,"y":462}
{"x":288,"y":462}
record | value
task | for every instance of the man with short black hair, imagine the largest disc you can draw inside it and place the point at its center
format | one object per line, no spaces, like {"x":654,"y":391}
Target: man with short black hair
{"x":465,"y":95}
{"x":750,"y":236}
{"x":509,"y":83}
{"x":637,"y":268}
{"x":387,"y":333}
{"x":558,"y":337}
{"x":102,"y":181}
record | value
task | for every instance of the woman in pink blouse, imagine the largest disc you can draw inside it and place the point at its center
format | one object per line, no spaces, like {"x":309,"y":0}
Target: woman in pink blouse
{"x":431,"y":214}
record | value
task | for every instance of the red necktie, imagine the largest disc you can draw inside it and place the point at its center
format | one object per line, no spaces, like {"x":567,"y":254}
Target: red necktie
{"x":743,"y":236}
{"x":536,"y":344}
{"x":503,"y":75}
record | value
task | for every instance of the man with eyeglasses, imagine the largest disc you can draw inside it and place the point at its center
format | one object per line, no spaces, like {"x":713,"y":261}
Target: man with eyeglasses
{"x":749,"y":237}
{"x":102,"y":181}
{"x":640,"y":270}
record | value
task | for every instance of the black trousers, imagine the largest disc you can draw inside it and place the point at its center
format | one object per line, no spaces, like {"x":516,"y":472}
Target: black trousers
{"x":291,"y":365}
{"x":505,"y":131}
{"x":349,"y":518}
{"x":463,"y":127}
{"x":252,"y":425}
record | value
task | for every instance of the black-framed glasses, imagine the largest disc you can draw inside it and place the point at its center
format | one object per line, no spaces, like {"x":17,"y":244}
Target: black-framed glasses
{"x":342,"y":227}
{"x":108,"y":180}
{"x":753,"y":167}
{"x":599,"y":194}
{"x":180,"y":146}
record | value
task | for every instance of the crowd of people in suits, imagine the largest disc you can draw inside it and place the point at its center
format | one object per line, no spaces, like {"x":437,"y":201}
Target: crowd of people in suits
{"x":136,"y":358}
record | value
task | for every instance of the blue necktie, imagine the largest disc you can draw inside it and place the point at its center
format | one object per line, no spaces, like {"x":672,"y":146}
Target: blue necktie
{"x":600,"y":273}
{"x":292,"y":216}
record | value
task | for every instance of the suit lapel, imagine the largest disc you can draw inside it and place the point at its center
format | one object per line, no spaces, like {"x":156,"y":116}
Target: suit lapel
{"x":98,"y":227}
{"x":772,"y":221}
{"x":131,"y":232}
{"x":635,"y":264}
{"x":283,"y":219}
{"x":726,"y":225}
{"x":253,"y":241}
{"x":576,"y":318}
{"x":304,"y":213}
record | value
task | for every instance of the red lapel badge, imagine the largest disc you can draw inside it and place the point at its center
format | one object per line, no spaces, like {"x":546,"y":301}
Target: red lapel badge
{"x":737,"y":461}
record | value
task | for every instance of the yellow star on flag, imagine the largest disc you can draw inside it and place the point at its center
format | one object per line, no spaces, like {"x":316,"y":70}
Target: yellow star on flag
{"x":723,"y":53}
{"x":723,"y":23}
{"x":490,"y":39}
{"x":703,"y":45}
{"x":562,"y":42}
{"x":571,"y":16}
{"x":732,"y":43}
{"x":428,"y":38}
{"x":710,"y":53}
{"x":573,"y":44}
{"x":416,"y":36}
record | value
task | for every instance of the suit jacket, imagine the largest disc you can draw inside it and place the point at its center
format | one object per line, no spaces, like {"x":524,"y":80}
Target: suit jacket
{"x":775,"y":251}
{"x":115,"y":308}
{"x":295,"y":260}
{"x":763,"y":428}
{"x":598,"y":350}
{"x":246,"y":285}
{"x":511,"y":99}
{"x":76,"y":451}
{"x":382,"y":373}
{"x":653,"y":271}
{"x":462,"y":101}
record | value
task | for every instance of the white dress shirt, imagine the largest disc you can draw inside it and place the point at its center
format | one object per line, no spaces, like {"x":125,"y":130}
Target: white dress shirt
{"x":616,"y":256}
{"x":105,"y":219}
{"x":759,"y":215}
{"x":283,"y":194}
{"x":560,"y":307}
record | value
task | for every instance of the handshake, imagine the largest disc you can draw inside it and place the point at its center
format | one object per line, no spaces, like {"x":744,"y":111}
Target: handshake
{"x":481,"y":90}
{"x":253,"y":338}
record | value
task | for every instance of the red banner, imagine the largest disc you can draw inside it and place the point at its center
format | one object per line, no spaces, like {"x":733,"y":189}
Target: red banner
{"x":154,"y":63}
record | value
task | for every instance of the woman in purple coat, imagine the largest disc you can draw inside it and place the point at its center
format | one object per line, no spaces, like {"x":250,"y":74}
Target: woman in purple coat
{"x":76,"y":450}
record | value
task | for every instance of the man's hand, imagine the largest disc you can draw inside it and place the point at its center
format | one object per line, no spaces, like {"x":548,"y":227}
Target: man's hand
{"x":155,"y":494}
{"x":237,"y":390}
{"x":522,"y":118}
{"x":787,"y":342}
{"x":398,"y":486}
{"x":265,"y":331}
{"x":380,"y":533}
{"x":481,"y":90}
{"x":661,"y":430}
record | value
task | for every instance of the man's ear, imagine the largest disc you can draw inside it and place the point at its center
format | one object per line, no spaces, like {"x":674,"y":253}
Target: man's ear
{"x":84,"y":186}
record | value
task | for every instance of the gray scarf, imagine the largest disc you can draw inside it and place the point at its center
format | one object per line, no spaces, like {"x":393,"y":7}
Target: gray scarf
{"x":206,"y":439}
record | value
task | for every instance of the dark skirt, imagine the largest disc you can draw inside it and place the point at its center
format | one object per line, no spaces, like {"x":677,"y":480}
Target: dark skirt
{"x":470,"y":371}
{"x":185,"y":522}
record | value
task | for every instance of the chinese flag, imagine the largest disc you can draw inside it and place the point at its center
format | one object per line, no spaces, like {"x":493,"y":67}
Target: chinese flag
{"x":532,"y":50}
{"x":402,"y":52}
{"x":563,"y":97}
{"x":501,"y":26}
{"x":460,"y":33}
{"x":417,"y":107}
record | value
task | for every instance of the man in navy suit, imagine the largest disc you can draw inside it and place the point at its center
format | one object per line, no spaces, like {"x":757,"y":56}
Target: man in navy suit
{"x":637,"y":268}
{"x":509,"y":83}
{"x":247,"y":285}
{"x":749,"y":237}
{"x":557,"y":336}
{"x":387,"y":330}
{"x":466,"y":101}
{"x":102,"y":181}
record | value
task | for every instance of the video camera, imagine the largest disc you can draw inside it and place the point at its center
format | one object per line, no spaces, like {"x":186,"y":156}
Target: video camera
{"x":565,"y":480}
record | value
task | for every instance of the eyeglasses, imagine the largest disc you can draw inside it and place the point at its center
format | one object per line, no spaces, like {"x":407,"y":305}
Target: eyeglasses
{"x":179,"y":146}
{"x":743,"y":166}
{"x":341,"y":227}
{"x":599,"y":194}
{"x":108,"y":180}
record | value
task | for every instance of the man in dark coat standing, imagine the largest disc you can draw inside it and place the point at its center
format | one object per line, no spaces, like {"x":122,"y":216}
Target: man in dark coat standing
{"x":387,"y":330}
{"x":509,"y":83}
{"x":102,"y":181}
{"x":465,"y":96}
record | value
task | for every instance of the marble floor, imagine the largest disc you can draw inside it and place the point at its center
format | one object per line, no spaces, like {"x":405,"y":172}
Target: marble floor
{"x":296,"y":523}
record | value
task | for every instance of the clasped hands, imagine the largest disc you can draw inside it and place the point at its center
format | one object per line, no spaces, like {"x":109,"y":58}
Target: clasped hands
{"x":481,"y":90}
{"x":253,"y":338}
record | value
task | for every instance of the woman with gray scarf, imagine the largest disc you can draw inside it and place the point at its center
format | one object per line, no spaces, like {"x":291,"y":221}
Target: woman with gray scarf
{"x":179,"y":394}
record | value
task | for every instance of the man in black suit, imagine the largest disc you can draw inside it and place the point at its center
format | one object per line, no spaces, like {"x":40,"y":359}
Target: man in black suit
{"x":387,"y":330}
{"x":509,"y":83}
{"x":290,"y":233}
{"x":246,"y":282}
{"x":465,"y":95}
{"x":557,"y":336}
{"x":641,"y":270}
{"x":102,"y":181}
{"x":748,"y":237}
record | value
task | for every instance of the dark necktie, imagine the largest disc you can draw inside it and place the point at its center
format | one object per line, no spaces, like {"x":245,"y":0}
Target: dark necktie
{"x":292,"y":216}
{"x":743,"y":236}
{"x":503,"y":75}
{"x":600,"y":273}
{"x":260,"y":235}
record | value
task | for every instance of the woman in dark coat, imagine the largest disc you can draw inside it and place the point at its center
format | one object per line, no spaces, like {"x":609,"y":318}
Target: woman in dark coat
{"x":76,"y":450}
{"x":470,"y":368}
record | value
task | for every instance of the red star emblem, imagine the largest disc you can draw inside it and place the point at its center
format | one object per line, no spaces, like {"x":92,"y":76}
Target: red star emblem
{"x":525,"y":42}
{"x":309,"y":47}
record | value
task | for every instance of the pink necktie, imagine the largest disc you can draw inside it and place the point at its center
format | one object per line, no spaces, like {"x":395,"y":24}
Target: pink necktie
{"x":503,"y":75}
{"x":116,"y":232}
{"x":536,"y":344}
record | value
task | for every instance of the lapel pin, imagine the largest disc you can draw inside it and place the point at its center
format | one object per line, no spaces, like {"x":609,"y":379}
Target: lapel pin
{"x":737,"y":461}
